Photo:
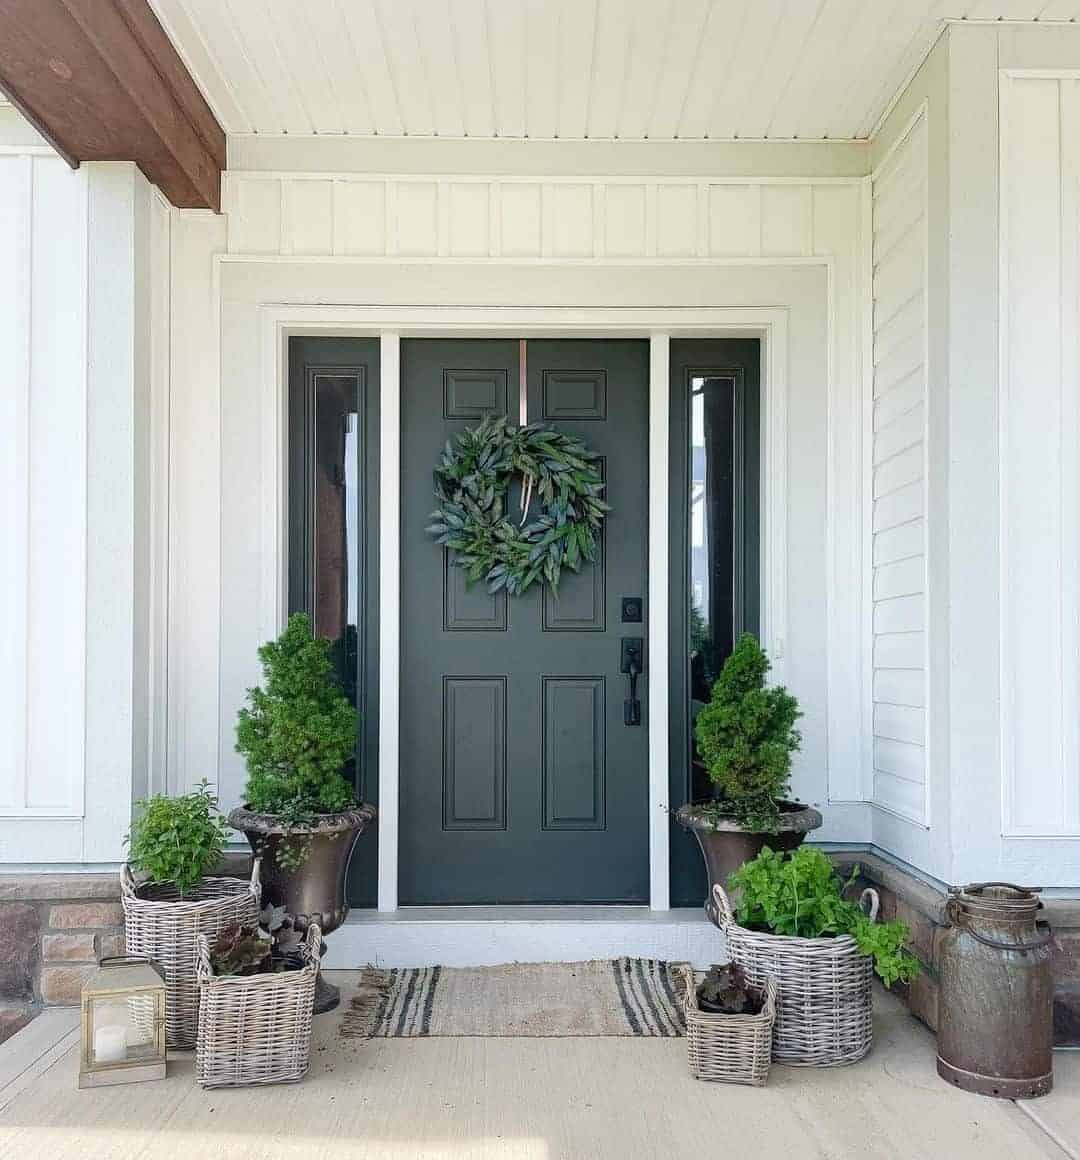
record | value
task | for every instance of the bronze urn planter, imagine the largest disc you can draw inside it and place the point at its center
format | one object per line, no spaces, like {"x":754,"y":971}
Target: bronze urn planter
{"x":726,"y":845}
{"x":315,"y":890}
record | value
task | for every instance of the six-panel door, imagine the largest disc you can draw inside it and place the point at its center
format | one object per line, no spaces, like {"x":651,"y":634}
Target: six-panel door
{"x":520,"y":780}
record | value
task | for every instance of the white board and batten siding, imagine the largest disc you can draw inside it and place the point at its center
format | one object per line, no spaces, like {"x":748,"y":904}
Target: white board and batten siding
{"x":78,"y":253}
{"x":43,"y":405}
{"x":1039,"y":453}
{"x":527,"y":218}
{"x":899,"y":478}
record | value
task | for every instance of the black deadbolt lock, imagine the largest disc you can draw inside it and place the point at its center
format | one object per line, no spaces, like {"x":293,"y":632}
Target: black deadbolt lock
{"x":631,"y":609}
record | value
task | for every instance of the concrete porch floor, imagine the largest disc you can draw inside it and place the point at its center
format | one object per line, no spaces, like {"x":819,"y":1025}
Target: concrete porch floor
{"x":525,"y":1099}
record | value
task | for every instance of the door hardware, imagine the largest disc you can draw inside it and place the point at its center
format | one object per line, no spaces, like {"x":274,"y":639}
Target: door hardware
{"x":631,"y":609}
{"x":630,"y":662}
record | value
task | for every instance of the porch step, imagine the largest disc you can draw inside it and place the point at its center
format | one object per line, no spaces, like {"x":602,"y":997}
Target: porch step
{"x":475,"y":936}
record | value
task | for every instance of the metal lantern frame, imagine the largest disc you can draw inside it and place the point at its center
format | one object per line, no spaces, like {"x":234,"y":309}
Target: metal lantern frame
{"x":135,"y":978}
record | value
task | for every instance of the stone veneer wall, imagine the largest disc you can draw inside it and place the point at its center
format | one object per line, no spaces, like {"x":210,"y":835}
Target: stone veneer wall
{"x":922,"y":907}
{"x":53,"y":930}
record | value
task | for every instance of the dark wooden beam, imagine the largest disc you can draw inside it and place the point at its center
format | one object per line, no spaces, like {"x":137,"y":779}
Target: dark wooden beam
{"x":101,"y":81}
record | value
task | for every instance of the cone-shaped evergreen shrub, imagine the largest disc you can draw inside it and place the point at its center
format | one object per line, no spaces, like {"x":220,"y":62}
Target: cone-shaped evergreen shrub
{"x":299,"y":731}
{"x":746,"y":736}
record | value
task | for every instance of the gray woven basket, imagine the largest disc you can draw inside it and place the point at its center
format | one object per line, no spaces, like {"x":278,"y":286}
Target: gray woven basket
{"x":256,"y":1029}
{"x":824,"y":1016}
{"x":729,"y":1048}
{"x":160,"y":924}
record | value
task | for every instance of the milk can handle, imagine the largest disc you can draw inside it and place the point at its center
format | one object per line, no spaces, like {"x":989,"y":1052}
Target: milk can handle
{"x":1043,"y":928}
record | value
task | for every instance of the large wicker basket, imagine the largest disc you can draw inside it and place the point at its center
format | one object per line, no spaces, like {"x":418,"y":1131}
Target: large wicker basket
{"x":729,"y":1048}
{"x":162,"y":925}
{"x":823,"y":1005}
{"x":256,"y":1029}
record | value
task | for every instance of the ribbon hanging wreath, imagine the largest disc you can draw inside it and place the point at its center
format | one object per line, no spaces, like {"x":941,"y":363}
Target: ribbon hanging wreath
{"x":558,"y":473}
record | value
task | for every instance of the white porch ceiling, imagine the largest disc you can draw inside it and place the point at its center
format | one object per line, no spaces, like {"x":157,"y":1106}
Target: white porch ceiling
{"x":627,"y":69}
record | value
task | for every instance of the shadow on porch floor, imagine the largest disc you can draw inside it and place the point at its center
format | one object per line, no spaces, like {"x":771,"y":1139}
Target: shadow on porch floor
{"x":523,"y":1099}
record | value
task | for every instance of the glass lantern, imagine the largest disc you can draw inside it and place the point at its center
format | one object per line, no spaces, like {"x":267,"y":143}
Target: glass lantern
{"x":123,"y":1023}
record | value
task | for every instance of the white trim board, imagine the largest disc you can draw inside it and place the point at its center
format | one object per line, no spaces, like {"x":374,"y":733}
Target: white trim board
{"x":390,"y":324}
{"x":463,"y":936}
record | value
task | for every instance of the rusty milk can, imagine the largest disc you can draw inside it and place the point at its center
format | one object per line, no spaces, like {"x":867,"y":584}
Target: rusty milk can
{"x":995,"y":1005}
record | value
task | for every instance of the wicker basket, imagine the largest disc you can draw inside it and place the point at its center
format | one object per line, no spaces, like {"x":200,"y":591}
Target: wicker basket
{"x":256,"y":1029}
{"x":729,"y":1048}
{"x":162,"y":925}
{"x":823,"y":1006}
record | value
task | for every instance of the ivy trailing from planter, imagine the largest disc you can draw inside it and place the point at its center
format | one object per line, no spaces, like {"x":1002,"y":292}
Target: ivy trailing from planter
{"x":558,"y":474}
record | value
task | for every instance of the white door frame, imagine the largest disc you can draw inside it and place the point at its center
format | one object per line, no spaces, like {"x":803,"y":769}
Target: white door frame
{"x":658,"y":325}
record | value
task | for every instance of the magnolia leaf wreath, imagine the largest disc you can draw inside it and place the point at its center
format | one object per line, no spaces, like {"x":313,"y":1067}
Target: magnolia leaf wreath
{"x":557,"y":472}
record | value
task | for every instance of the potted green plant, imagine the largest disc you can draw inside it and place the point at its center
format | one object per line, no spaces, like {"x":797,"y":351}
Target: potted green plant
{"x":300,"y":813}
{"x":177,"y":841}
{"x":729,"y":1025}
{"x":174,"y":845}
{"x":795,"y":924}
{"x":745,"y":738}
{"x":257,"y":985}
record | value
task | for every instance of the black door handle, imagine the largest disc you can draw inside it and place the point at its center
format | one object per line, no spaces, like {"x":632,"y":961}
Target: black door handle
{"x":630,"y":662}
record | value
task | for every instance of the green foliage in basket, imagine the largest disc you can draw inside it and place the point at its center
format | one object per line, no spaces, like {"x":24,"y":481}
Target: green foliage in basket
{"x":297,"y":734}
{"x":177,"y":840}
{"x":800,"y":893}
{"x":746,"y":736}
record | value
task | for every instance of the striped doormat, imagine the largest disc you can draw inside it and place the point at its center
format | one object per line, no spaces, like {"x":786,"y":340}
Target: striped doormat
{"x":619,"y":997}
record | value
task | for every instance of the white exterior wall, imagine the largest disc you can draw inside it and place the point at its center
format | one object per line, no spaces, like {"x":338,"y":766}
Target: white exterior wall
{"x":933,"y":483}
{"x":1039,"y":454}
{"x":79,"y":255}
{"x":1003,"y":482}
{"x":581,"y":239}
{"x":899,"y":477}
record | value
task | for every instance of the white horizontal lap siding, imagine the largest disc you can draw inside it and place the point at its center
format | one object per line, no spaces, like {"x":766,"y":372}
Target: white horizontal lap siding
{"x":354,"y":216}
{"x":1039,"y":458}
{"x":899,"y":478}
{"x":43,"y":240}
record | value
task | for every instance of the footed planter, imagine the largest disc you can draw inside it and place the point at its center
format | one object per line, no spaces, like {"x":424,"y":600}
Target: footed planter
{"x":725,"y":845}
{"x":315,"y":890}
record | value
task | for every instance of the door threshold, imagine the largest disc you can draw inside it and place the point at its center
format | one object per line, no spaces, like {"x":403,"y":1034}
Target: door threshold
{"x":471,"y":936}
{"x":529,"y":912}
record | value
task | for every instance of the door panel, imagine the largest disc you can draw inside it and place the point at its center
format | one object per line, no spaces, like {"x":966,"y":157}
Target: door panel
{"x":520,"y":781}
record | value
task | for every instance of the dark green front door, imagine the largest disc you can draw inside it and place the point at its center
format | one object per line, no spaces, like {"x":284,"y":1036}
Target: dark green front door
{"x":520,"y":780}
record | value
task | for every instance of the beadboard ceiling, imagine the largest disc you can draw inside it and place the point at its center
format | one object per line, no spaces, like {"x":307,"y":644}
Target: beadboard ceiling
{"x":626,"y":69}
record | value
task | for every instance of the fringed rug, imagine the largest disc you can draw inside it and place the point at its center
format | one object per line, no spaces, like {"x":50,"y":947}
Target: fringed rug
{"x":620,"y":997}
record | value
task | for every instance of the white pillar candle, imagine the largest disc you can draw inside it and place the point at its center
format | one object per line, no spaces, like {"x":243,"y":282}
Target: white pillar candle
{"x":110,"y":1044}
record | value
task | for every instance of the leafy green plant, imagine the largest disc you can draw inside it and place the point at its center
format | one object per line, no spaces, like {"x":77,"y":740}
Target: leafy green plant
{"x":745,"y":737}
{"x":297,"y":734}
{"x":178,"y":840}
{"x":800,"y":893}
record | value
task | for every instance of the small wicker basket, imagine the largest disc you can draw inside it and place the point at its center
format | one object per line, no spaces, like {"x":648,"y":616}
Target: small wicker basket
{"x":729,"y":1048}
{"x":824,"y":1016}
{"x":256,"y":1029}
{"x":163,"y":926}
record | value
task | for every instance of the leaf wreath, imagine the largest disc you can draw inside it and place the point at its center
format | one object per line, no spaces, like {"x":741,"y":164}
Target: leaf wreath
{"x":471,"y":485}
